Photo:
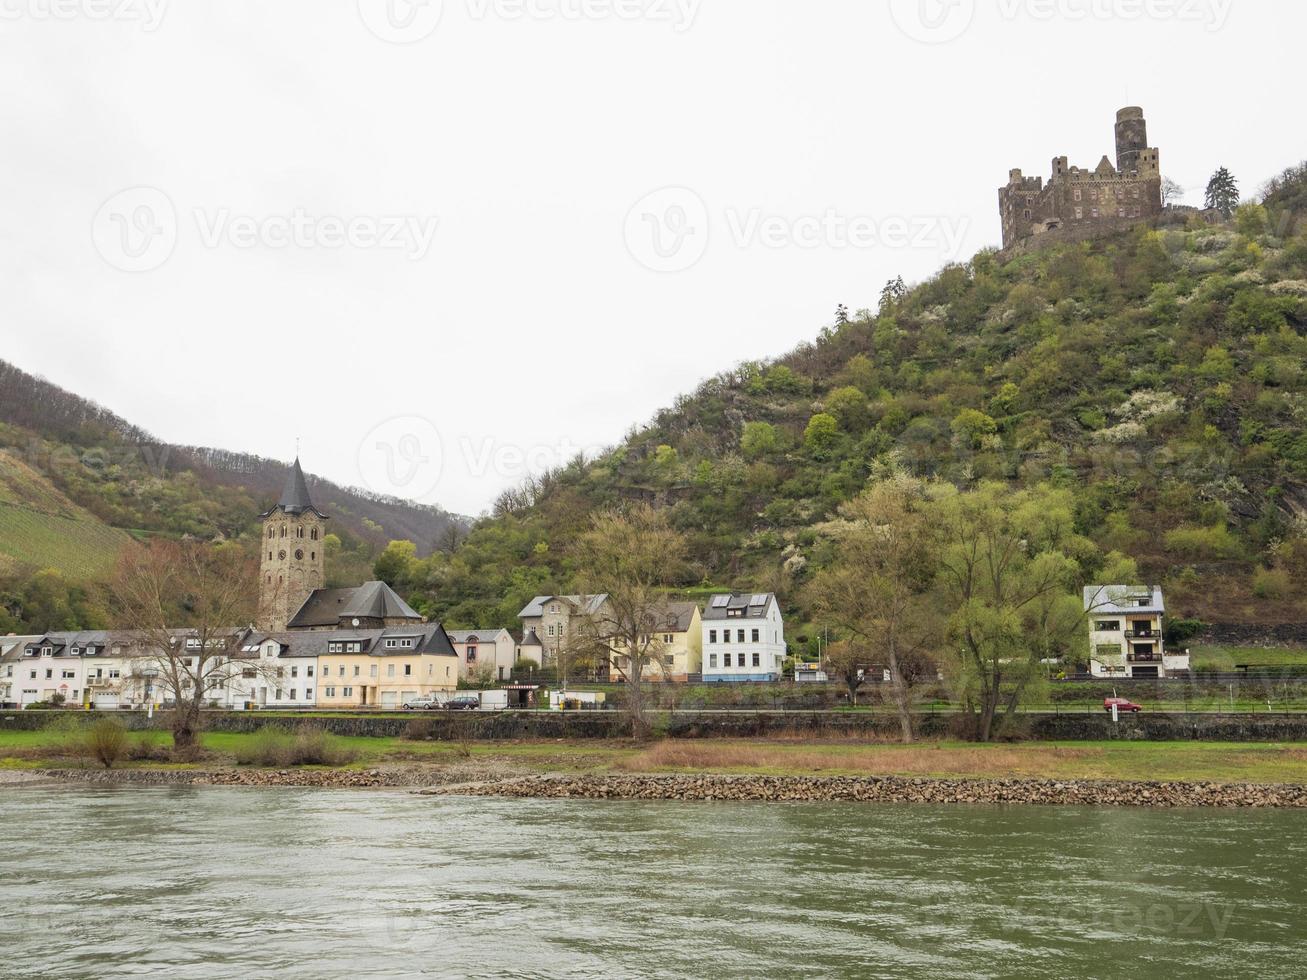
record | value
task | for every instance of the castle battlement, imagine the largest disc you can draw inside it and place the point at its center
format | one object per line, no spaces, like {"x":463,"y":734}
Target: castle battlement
{"x":1087,"y":201}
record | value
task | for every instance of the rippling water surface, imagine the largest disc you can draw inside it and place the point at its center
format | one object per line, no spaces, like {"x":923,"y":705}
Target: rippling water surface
{"x":210,"y":882}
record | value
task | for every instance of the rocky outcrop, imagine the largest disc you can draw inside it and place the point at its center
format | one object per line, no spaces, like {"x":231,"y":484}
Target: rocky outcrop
{"x":885,"y":789}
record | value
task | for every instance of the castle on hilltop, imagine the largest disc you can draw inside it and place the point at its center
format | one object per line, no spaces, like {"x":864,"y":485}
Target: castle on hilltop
{"x":1078,"y":203}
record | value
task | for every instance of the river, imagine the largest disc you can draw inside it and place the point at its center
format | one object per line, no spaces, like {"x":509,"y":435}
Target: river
{"x":213,"y":882}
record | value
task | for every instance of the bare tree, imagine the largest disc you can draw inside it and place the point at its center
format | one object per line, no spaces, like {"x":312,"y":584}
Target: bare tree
{"x":631,"y":556}
{"x":186,"y":606}
{"x":1172,"y":192}
{"x":877,"y":589}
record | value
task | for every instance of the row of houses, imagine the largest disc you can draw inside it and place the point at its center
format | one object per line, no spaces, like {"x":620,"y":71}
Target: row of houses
{"x":366,"y":648}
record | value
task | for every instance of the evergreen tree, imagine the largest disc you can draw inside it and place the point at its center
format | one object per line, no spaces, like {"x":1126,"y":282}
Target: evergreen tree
{"x":1222,"y":193}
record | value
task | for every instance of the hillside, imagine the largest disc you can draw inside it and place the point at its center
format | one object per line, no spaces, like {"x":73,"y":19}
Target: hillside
{"x":41,"y":528}
{"x":1158,"y":373}
{"x":77,"y":481}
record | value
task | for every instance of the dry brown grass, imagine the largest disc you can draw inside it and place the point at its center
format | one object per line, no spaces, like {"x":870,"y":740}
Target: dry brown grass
{"x":710,"y":756}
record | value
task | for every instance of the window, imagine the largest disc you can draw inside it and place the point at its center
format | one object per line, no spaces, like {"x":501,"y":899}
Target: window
{"x":348,"y":692}
{"x":551,"y":629}
{"x":712,"y":660}
{"x":408,"y":670}
{"x":668,"y":638}
{"x":294,"y":672}
{"x":755,"y":636}
{"x":471,"y":655}
{"x":342,"y":670}
{"x":49,"y":673}
{"x":1108,"y":650}
{"x":1107,"y":626}
{"x":372,"y":671}
{"x":308,"y":671}
{"x":331,"y":692}
{"x":712,"y":636}
{"x":277,"y":696}
{"x":248,"y":673}
{"x":739,"y":636}
{"x":390,"y":670}
{"x":726,"y":659}
{"x":308,"y":693}
{"x":357,"y":669}
{"x":292,"y":694}
{"x":68,"y":675}
{"x":756,"y":661}
{"x":281,"y":671}
{"x":1142,"y":602}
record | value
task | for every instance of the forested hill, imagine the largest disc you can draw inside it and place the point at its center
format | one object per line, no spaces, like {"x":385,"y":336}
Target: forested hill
{"x":1159,"y":374}
{"x":63,"y":455}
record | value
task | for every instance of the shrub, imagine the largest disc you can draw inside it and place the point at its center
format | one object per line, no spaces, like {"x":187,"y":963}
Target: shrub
{"x":274,"y":746}
{"x":1203,"y":542}
{"x":106,"y":742}
{"x":1271,"y":583}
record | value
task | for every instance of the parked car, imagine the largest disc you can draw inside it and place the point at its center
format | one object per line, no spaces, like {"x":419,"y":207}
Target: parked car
{"x":1122,"y":705}
{"x":426,"y":702}
{"x":465,"y":703}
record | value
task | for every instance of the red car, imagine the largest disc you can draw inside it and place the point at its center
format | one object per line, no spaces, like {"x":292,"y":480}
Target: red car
{"x":1121,"y":704}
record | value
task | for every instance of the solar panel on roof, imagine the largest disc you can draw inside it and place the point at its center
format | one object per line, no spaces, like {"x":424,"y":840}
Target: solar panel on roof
{"x":720,"y":601}
{"x":758,"y":600}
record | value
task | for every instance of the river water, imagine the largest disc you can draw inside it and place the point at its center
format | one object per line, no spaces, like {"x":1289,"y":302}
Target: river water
{"x":217,"y":882}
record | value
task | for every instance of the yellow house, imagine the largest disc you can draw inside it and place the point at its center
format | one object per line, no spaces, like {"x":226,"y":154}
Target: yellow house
{"x":385,"y":668}
{"x":681,"y":632}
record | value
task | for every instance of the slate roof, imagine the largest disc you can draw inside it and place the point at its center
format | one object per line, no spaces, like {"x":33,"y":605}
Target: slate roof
{"x":295,"y":497}
{"x":586,"y":604}
{"x":432,"y":639}
{"x":1120,"y":599}
{"x":741,"y":602}
{"x":676,"y":617}
{"x":371,"y":600}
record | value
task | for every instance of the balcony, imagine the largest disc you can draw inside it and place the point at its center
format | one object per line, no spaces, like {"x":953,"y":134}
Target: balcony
{"x":1144,"y":658}
{"x":1143,"y":634}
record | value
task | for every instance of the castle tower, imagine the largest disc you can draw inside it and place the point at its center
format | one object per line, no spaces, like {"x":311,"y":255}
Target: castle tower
{"x":1131,"y":139}
{"x":292,"y":559}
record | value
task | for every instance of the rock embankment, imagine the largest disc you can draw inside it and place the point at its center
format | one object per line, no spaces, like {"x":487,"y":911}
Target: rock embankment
{"x":884,"y":789}
{"x":398,"y":776}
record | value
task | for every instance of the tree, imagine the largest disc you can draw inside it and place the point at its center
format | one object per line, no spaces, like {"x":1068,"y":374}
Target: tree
{"x":186,"y":606}
{"x":394,"y":566}
{"x":894,"y":291}
{"x":878,"y":588}
{"x":849,"y":406}
{"x":841,"y":315}
{"x":1222,"y":193}
{"x":1007,"y":568}
{"x":632,"y":557}
{"x":1172,"y":192}
{"x":822,"y":433}
{"x":759,"y":439}
{"x":849,"y":660}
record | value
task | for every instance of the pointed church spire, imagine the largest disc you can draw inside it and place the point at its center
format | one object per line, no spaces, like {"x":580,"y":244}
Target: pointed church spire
{"x":295,"y":497}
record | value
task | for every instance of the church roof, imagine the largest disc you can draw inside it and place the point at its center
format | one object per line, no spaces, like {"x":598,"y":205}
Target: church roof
{"x":371,"y":600}
{"x":295,"y":497}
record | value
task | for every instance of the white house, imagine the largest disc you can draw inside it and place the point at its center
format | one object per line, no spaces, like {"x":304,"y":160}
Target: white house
{"x":1125,"y":633}
{"x":743,"y":639}
{"x":283,"y":670}
{"x":484,"y":653}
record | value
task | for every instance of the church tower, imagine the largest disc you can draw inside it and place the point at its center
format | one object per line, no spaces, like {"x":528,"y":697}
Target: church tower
{"x":292,"y":557}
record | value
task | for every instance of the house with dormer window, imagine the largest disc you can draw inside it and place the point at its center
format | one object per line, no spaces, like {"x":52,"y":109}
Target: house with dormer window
{"x":1125,"y":633}
{"x":743,"y":638}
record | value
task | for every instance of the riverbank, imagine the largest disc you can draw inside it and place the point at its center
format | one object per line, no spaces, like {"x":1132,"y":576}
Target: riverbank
{"x":481,"y":781}
{"x":709,"y":788}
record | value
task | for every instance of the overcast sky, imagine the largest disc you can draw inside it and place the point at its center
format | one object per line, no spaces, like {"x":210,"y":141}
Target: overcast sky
{"x":442,"y":243}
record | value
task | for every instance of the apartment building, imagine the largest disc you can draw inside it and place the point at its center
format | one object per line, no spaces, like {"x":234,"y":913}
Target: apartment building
{"x":743,"y":639}
{"x":1125,"y":633}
